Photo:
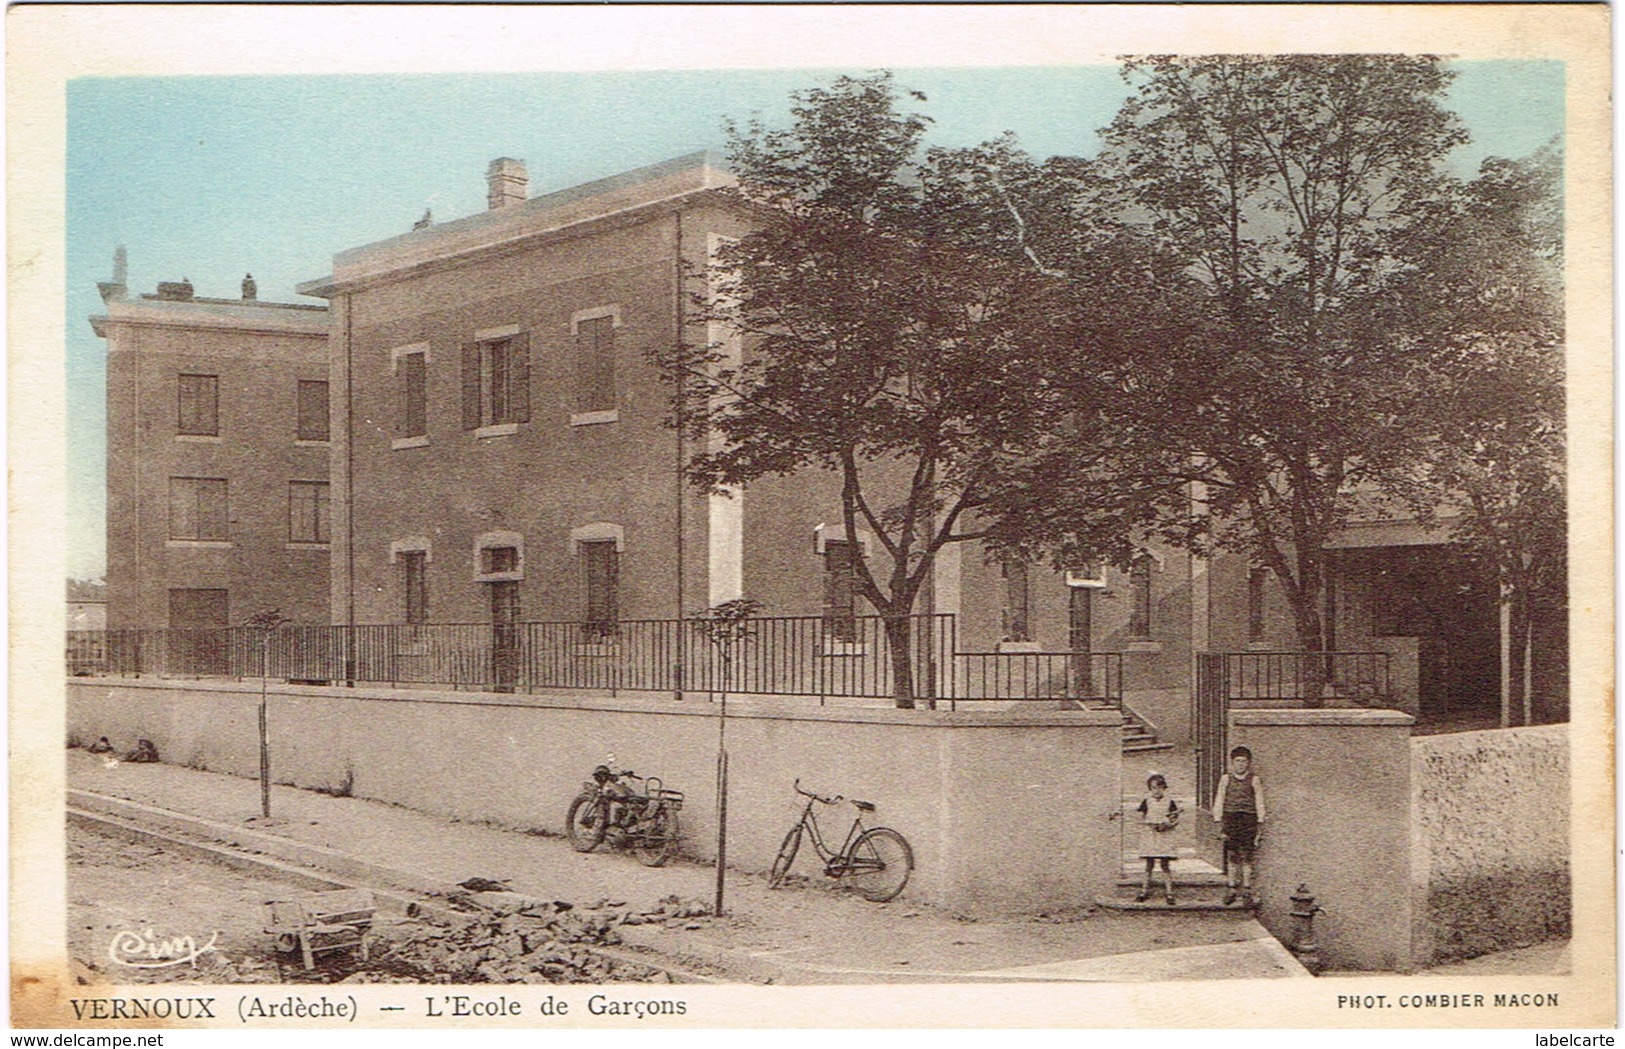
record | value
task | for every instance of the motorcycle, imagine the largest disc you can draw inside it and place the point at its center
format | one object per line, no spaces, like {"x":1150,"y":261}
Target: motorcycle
{"x":643,"y":820}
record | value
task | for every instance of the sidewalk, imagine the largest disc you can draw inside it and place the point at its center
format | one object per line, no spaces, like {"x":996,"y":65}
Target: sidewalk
{"x":801,"y":934}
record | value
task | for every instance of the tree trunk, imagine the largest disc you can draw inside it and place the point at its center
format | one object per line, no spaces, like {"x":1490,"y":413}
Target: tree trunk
{"x":899,"y":643}
{"x":1306,"y":615}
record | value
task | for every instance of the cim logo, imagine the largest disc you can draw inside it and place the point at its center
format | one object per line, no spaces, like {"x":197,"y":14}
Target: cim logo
{"x":147,"y":950}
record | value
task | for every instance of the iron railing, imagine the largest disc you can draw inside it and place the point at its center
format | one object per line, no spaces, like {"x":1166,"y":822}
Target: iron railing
{"x":1082,"y":677}
{"x":772,"y":655}
{"x":1361,"y":677}
{"x":788,"y":655}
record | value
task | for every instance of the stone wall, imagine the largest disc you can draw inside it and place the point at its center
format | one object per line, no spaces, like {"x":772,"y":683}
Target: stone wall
{"x":1337,"y":789}
{"x":988,"y":801}
{"x":1491,"y":817}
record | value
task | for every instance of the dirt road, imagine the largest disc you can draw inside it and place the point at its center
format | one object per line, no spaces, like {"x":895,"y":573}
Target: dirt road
{"x":140,"y":912}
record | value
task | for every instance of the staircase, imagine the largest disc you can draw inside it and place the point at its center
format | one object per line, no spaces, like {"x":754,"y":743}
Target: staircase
{"x":1139,"y":734}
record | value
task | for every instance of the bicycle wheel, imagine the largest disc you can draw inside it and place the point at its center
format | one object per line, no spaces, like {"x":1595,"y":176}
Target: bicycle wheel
{"x":658,"y":842}
{"x":586,"y":823}
{"x":787,"y":856}
{"x":879,"y":865}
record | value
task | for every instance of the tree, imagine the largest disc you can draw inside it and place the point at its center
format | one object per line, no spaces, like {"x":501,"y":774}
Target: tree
{"x":911,"y":365}
{"x":1496,"y":275}
{"x":1299,"y":192}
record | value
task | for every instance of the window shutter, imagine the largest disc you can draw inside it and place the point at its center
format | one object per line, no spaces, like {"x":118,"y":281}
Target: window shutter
{"x":595,"y":365}
{"x":471,"y":386}
{"x":183,"y":522}
{"x":519,"y":378}
{"x":186,"y":417}
{"x":603,"y":582}
{"x":403,"y":397}
{"x":412,"y":420}
{"x":212,"y":510}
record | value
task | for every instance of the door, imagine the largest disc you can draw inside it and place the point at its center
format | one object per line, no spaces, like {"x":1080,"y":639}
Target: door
{"x":1080,"y":628}
{"x":198,"y":634}
{"x":504,"y":635}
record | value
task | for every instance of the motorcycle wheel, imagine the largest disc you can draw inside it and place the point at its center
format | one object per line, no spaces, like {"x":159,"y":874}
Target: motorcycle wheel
{"x":586,"y":823}
{"x":658,"y":843}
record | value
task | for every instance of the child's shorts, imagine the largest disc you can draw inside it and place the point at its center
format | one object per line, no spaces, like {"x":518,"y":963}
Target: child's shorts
{"x":1241,"y":828}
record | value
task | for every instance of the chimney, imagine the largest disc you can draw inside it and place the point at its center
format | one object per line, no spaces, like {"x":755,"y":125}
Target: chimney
{"x":117,"y":288}
{"x":506,"y":182}
{"x":251,"y":291}
{"x":175,"y":291}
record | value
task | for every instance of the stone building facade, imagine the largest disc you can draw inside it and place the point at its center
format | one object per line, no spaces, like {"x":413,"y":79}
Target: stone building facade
{"x":217,"y":457}
{"x":506,"y":457}
{"x":495,"y":451}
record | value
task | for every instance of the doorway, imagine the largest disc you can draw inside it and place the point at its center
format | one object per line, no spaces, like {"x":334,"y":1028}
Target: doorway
{"x":199,"y":620}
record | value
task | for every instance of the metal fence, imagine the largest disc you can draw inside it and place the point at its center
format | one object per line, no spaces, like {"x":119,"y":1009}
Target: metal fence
{"x":1226,"y":680}
{"x":1082,"y":677}
{"x":1358,"y":676}
{"x":777,"y":655}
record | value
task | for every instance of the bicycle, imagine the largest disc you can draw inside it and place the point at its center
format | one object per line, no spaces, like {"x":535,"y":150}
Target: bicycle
{"x":875,"y":861}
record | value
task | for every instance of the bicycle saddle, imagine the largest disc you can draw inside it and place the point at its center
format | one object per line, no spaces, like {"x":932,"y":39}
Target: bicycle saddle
{"x":864,"y":806}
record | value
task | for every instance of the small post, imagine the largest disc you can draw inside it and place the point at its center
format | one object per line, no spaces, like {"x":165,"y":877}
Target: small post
{"x":1304,"y":947}
{"x":725,"y":626}
{"x":722,"y":827}
{"x":266,"y":623}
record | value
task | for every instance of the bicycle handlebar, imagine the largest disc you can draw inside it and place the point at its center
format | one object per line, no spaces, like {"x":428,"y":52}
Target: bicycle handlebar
{"x":836,"y":800}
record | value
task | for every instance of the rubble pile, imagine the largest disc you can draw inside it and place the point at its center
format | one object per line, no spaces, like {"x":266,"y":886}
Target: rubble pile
{"x":517,"y":939}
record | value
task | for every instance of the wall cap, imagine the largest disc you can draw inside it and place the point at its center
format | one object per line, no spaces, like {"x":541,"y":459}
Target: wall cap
{"x":653,"y":703}
{"x":1337,"y":716}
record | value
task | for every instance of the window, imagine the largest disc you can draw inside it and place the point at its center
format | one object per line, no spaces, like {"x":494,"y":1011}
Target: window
{"x":840,"y":590}
{"x":494,"y":559}
{"x":307,"y":512}
{"x":198,"y":399}
{"x":411,"y":378}
{"x":496,"y":381}
{"x":197,"y":508}
{"x":415,"y":584}
{"x":1016,"y":626}
{"x":603,"y":581}
{"x":1255,"y":603}
{"x":595,"y":365}
{"x":1139,"y":583}
{"x":312,"y":424}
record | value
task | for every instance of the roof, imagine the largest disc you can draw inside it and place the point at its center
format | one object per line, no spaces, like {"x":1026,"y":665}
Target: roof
{"x":226,"y":314}
{"x":552,"y":213}
{"x":86,"y":591}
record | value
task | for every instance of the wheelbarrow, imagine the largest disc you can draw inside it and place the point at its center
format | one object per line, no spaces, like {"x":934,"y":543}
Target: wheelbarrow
{"x":320,"y":922}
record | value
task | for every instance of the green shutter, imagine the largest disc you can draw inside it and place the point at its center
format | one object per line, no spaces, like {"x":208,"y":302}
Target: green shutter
{"x":519,"y":378}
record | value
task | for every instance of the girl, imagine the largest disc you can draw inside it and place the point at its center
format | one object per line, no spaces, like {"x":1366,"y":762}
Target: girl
{"x":1159,"y":815}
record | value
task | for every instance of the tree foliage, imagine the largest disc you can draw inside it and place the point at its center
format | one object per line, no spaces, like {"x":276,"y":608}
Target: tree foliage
{"x":914,"y":363}
{"x":1299,"y":191}
{"x":1495,"y":287}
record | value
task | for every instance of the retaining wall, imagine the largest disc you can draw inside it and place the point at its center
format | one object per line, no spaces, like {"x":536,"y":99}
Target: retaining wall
{"x":1491,"y":815}
{"x":997,"y":806}
{"x":1337,"y":791}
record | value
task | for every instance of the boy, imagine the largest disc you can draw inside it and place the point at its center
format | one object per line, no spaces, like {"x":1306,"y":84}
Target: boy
{"x":1239,"y":808}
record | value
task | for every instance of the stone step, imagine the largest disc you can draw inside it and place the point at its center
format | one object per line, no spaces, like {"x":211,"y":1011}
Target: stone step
{"x":1201,"y":880}
{"x":1156,"y":905}
{"x":1138,"y":747}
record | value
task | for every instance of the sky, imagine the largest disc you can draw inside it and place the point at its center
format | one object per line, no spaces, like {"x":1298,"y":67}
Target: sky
{"x":213,"y":177}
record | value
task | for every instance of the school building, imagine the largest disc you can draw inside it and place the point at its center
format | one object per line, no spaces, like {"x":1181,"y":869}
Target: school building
{"x":471,"y":432}
{"x":217,"y":456}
